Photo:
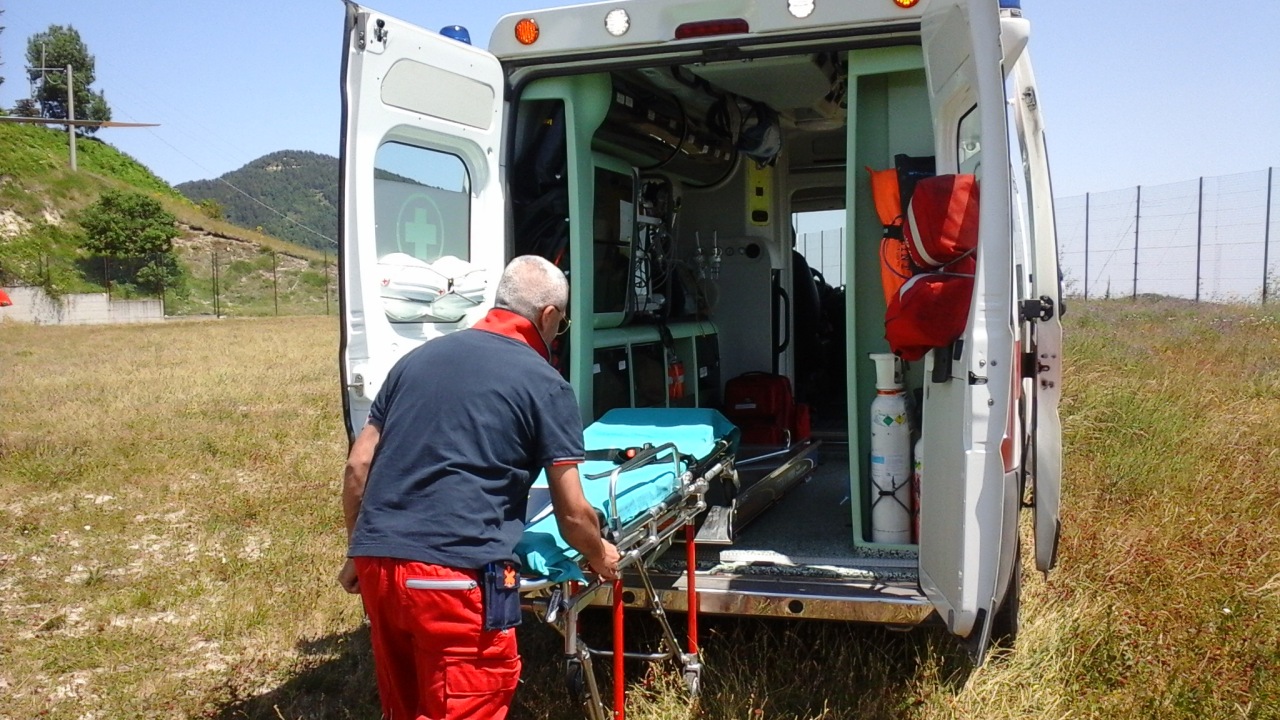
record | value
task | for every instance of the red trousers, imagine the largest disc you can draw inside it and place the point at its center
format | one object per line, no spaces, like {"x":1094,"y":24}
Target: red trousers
{"x":433,"y":659}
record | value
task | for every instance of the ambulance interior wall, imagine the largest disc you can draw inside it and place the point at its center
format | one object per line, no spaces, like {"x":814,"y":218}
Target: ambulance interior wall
{"x":586,"y":101}
{"x":892,"y":118}
{"x":743,"y":292}
{"x":720,"y":209}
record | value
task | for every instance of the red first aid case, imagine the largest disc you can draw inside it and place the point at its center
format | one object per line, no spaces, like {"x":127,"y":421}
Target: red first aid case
{"x":941,"y":228}
{"x":930,"y":311}
{"x":762,"y":406}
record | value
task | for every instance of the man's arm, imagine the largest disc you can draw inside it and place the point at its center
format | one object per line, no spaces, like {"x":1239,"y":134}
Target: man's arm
{"x":354,"y":477}
{"x":577,"y":521}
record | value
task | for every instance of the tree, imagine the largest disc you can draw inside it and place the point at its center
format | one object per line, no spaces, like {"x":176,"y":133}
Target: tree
{"x":137,"y":233}
{"x":55,"y":49}
{"x":212,"y":209}
{"x":26,"y":107}
{"x":1,"y":33}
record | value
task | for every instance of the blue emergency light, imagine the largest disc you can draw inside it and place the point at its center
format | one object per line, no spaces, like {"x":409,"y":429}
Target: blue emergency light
{"x":1010,"y":4}
{"x":457,"y":32}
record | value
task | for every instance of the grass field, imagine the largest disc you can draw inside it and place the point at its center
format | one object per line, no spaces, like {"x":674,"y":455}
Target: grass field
{"x":170,"y":530}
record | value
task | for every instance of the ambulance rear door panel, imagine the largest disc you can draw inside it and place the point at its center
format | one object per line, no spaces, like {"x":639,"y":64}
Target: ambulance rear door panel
{"x":1045,"y":363}
{"x":969,"y":498}
{"x":421,"y":194}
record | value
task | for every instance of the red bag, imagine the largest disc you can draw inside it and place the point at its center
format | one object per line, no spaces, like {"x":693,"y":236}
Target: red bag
{"x":942,"y":223}
{"x":761,"y":405}
{"x":801,"y":427}
{"x":930,"y":311}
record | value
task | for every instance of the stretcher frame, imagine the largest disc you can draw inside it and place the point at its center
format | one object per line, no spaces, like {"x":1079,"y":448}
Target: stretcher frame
{"x":640,"y":542}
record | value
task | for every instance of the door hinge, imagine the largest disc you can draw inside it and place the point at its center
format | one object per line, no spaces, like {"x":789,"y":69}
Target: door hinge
{"x":1039,"y":309}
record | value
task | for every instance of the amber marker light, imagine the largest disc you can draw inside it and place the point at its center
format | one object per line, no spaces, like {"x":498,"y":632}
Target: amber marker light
{"x":527,"y":31}
{"x":906,"y":3}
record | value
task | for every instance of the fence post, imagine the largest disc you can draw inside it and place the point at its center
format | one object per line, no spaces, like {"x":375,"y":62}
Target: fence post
{"x":1137,"y":220}
{"x":843,"y":271}
{"x":1199,"y":234}
{"x":275,"y":284}
{"x":1266,"y":239}
{"x":1086,"y":246}
{"x":217,"y":312}
{"x":326,"y":282}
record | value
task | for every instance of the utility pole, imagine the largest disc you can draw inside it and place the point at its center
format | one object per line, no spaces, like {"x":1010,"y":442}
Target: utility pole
{"x":71,"y":104}
{"x":71,"y":115}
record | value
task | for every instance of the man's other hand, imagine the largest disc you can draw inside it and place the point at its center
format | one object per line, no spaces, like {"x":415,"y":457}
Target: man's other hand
{"x":606,"y":566}
{"x":347,"y":577}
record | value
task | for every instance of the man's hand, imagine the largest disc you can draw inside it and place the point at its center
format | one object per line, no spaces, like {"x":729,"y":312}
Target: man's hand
{"x":577,"y":521}
{"x":347,"y":577}
{"x":606,"y":566}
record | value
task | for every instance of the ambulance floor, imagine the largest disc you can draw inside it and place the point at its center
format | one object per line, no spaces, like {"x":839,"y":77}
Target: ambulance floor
{"x":809,"y":533}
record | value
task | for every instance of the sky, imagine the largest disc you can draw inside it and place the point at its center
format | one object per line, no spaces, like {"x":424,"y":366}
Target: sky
{"x":1135,"y":92}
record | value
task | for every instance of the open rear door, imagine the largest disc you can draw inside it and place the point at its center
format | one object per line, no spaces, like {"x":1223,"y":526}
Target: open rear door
{"x":1043,"y":316}
{"x":969,"y":502}
{"x":422,"y":210}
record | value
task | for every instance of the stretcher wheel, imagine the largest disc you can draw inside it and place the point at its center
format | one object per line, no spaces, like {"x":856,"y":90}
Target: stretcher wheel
{"x":693,"y":681}
{"x":574,"y":680}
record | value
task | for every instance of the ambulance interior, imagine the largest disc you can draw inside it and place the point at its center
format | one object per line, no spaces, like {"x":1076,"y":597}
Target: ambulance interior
{"x":682,"y":183}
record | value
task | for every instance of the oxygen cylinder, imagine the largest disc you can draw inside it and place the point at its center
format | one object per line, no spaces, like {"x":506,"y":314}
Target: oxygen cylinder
{"x":890,"y":491}
{"x":917,"y":469}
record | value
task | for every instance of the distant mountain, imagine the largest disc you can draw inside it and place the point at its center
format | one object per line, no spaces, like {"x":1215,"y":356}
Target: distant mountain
{"x":300,"y":185}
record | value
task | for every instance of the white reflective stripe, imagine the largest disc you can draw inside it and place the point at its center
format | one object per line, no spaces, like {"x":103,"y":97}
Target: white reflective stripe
{"x":424,"y":584}
{"x":916,"y":243}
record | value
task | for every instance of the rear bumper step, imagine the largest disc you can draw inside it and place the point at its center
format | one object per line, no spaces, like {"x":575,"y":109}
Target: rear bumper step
{"x":883,"y":603}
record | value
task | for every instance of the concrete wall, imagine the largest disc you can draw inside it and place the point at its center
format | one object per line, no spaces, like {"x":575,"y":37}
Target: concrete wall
{"x":32,"y":305}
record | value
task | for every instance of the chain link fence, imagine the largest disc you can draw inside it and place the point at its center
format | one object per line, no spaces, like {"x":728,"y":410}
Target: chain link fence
{"x":1205,"y":239}
{"x":225,"y":280}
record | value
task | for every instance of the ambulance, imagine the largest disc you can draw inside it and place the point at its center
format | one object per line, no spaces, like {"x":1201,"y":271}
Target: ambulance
{"x":661,"y":153}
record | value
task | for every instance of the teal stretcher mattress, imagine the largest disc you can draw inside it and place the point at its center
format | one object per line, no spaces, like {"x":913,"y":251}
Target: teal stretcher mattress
{"x":696,"y":432}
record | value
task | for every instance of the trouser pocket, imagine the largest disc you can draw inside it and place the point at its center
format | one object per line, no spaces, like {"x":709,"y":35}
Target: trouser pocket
{"x":480,"y":688}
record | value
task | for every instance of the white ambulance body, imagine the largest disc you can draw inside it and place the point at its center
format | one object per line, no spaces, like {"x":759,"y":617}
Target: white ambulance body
{"x":658,"y":150}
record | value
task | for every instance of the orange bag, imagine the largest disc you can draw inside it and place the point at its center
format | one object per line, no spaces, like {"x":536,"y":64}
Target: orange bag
{"x":895,"y":264}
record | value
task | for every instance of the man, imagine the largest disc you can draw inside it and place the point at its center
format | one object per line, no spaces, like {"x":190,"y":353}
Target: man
{"x":434,"y":495}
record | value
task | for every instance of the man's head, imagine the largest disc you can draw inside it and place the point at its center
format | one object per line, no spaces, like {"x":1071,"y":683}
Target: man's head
{"x":536,"y":290}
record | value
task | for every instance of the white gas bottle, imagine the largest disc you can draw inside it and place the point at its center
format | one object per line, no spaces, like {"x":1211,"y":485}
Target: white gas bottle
{"x":890,"y":491}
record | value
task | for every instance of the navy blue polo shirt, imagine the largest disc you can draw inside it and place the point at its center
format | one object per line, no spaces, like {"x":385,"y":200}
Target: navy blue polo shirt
{"x":466,"y":423}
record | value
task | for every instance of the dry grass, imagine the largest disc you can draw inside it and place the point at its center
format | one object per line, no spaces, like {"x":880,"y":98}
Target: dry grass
{"x":169,"y":530}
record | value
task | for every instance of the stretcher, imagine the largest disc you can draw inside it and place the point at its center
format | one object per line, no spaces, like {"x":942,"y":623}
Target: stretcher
{"x":647,"y":474}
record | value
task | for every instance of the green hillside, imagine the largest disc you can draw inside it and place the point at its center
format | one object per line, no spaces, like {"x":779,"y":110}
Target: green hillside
{"x":41,"y":240}
{"x":292,"y":194}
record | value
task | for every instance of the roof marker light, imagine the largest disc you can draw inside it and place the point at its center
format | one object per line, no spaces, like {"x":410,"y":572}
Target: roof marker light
{"x":617,"y":22}
{"x":527,"y":31}
{"x":705,"y":28}
{"x":800,"y":8}
{"x":906,"y":3}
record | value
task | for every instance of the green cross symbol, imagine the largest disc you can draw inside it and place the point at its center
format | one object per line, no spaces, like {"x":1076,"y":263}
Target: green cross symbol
{"x":421,"y":232}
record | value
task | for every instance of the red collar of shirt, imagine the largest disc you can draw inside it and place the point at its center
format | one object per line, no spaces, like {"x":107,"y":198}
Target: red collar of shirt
{"x":508,"y":324}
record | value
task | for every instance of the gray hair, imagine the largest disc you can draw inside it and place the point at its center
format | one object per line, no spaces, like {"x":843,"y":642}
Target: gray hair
{"x":530,"y":283}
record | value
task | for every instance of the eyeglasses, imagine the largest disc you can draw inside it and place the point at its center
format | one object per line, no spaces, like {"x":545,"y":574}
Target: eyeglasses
{"x":565,"y":322}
